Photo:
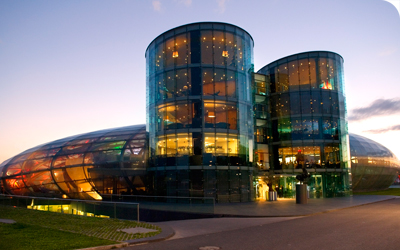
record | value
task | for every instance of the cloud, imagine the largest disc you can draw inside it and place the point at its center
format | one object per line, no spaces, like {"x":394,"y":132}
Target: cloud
{"x":383,"y":130}
{"x":396,"y":4}
{"x":186,"y":2}
{"x":387,"y":52}
{"x":156,"y":5}
{"x":221,"y":5}
{"x":379,"y":107}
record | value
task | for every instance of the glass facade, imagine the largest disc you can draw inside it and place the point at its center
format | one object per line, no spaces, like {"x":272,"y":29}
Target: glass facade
{"x":85,"y":166}
{"x":373,"y":166}
{"x":308,"y":126}
{"x":199,"y":111}
{"x":214,"y":128}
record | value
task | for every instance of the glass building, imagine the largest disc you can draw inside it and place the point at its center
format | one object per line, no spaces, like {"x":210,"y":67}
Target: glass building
{"x":85,"y":166}
{"x":199,"y":111}
{"x":373,"y":166}
{"x":214,"y":128}
{"x":306,"y":126}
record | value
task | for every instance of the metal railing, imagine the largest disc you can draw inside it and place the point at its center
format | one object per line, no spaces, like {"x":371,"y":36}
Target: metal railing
{"x":108,"y":209}
{"x":168,"y":203}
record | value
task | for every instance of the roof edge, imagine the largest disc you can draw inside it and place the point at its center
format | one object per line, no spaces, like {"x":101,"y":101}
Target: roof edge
{"x":206,"y":22}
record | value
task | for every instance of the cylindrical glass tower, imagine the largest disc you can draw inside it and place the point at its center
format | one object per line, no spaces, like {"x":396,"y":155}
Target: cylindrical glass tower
{"x":199,"y":111}
{"x":308,"y":121}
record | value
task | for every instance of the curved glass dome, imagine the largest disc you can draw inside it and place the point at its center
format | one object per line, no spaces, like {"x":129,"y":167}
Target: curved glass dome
{"x":374,"y":167}
{"x":84,"y":166}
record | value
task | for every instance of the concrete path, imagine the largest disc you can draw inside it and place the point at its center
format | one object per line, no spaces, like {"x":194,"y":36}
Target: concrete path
{"x":7,"y":221}
{"x":265,"y":213}
{"x":370,"y":227}
{"x":288,"y":207}
{"x":188,"y":228}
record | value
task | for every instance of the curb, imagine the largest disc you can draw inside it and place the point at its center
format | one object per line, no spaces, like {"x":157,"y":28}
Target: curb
{"x":166,"y":233}
{"x":105,"y":247}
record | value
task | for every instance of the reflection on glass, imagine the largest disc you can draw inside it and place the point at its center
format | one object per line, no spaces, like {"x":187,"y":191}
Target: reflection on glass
{"x":174,"y":116}
{"x":293,"y":75}
{"x":221,"y":144}
{"x":221,"y":115}
{"x":64,"y":171}
{"x":299,"y":157}
{"x":206,"y":47}
{"x":175,"y":144}
{"x":332,"y":156}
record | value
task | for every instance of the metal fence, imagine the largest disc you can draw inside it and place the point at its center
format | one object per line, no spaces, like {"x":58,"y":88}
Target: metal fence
{"x":203,"y":205}
{"x":114,"y":206}
{"x":107,"y":209}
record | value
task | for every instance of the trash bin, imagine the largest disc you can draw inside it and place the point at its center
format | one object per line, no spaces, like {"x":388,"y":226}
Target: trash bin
{"x":272,"y":195}
{"x":301,"y":194}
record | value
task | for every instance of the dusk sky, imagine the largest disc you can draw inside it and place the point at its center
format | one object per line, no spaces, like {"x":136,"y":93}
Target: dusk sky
{"x":71,"y":67}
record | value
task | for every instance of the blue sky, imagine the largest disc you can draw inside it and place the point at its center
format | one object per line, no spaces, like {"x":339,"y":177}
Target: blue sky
{"x":69,"y":67}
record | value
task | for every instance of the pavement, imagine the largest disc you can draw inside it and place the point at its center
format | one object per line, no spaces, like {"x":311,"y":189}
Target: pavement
{"x":244,"y":215}
{"x":288,"y":207}
{"x":241,"y":216}
{"x":369,"y":226}
{"x":7,"y":221}
{"x":232,"y":217}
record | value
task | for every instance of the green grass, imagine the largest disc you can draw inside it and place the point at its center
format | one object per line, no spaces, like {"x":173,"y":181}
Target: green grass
{"x":23,"y":236}
{"x":389,"y":191}
{"x":62,"y":231}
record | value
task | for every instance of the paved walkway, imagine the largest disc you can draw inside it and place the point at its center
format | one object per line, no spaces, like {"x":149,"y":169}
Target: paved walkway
{"x":237,"y":216}
{"x":7,"y":221}
{"x":266,"y":213}
{"x":288,"y":207}
{"x":370,"y":227}
{"x":188,"y":228}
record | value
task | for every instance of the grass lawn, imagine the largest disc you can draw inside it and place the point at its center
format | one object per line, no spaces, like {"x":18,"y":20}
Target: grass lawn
{"x":46,"y":230}
{"x":389,"y":191}
{"x":24,"y":236}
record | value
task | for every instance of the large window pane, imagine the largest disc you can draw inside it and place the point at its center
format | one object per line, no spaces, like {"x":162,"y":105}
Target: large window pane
{"x":221,"y":144}
{"x":284,"y":129}
{"x":206,"y":47}
{"x":304,"y":74}
{"x":181,"y":50}
{"x":231,"y":84}
{"x":220,"y":80}
{"x":209,"y":114}
{"x":169,"y":87}
{"x":332,"y":156}
{"x":293,"y":75}
{"x":306,"y":102}
{"x":183,"y":118}
{"x":282,"y":78}
{"x":183,"y":86}
{"x":219,"y":48}
{"x":171,"y":148}
{"x":169,"y":50}
{"x":208,"y":81}
{"x":239,"y":52}
{"x":232,"y":116}
{"x":221,"y":116}
{"x":159,"y":56}
{"x":230,"y":50}
{"x":185,"y":144}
